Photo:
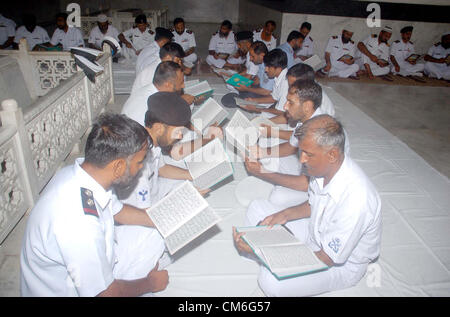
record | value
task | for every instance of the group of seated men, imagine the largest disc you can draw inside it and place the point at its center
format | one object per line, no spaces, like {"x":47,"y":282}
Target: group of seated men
{"x":89,"y":233}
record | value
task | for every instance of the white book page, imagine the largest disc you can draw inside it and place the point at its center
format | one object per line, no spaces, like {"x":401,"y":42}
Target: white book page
{"x":257,"y":121}
{"x":241,"y":133}
{"x":262,"y":236}
{"x":290,"y":259}
{"x":180,"y":205}
{"x":191,"y":83}
{"x":214,"y":175}
{"x":198,"y":89}
{"x":191,"y":230}
{"x":243,"y":102}
{"x":315,"y":62}
{"x":206,"y":114}
{"x":206,"y":158}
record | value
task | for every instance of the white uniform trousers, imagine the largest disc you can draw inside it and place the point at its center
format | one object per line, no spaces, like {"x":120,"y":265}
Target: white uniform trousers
{"x":138,"y":250}
{"x":219,"y":63}
{"x":437,"y":70}
{"x":376,"y":70}
{"x":234,"y":60}
{"x":335,"y":278}
{"x":191,"y":58}
{"x":407,"y":69}
{"x":342,"y":70}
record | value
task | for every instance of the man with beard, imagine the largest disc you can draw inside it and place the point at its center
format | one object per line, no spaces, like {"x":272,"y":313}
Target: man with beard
{"x":66,"y":35}
{"x":186,"y":39}
{"x":33,"y":33}
{"x":340,"y":222}
{"x":100,"y":31}
{"x":137,"y":38}
{"x":374,"y":54}
{"x":71,"y":246}
{"x":307,"y":49}
{"x":339,"y":56}
{"x":266,"y":36}
{"x":293,"y":43}
{"x":400,"y":53}
{"x":221,"y":45}
{"x":438,"y":59}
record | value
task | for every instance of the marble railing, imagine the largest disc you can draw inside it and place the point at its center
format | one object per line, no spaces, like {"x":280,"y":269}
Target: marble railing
{"x":35,"y":140}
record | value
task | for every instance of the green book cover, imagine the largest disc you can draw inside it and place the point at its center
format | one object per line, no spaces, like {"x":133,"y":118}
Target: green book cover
{"x":238,"y":79}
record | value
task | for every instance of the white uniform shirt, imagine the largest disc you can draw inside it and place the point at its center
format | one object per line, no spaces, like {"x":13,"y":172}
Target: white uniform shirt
{"x":68,"y":247}
{"x":307,"y":48}
{"x":438,"y":51}
{"x":139,"y":39}
{"x":38,"y":36}
{"x":145,"y":77}
{"x":136,"y":105}
{"x":225,"y":45}
{"x":252,"y":69}
{"x":280,"y":89}
{"x":380,"y":50}
{"x":186,"y":39}
{"x":270,"y":44}
{"x":96,"y":36}
{"x":71,"y":38}
{"x":337,"y":48}
{"x":147,"y":56}
{"x":7,"y":29}
{"x":345,"y":216}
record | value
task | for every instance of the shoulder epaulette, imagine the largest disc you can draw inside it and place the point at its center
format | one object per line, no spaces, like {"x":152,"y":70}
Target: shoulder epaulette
{"x":411,"y":42}
{"x":171,"y":29}
{"x":257,"y":30}
{"x":374,"y":35}
{"x":311,"y":39}
{"x":189,"y":31}
{"x":151,"y":32}
{"x":437,"y":44}
{"x":334,"y":37}
{"x":87,"y":199}
{"x":215,"y":32}
{"x":398,"y":41}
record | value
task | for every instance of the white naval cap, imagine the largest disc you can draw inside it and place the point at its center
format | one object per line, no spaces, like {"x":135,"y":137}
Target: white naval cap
{"x":102,"y":18}
{"x":387,"y":28}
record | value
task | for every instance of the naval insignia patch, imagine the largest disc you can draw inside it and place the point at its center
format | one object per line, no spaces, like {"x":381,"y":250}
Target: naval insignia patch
{"x":87,"y":199}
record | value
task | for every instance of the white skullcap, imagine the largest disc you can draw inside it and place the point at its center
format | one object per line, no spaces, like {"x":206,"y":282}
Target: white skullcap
{"x":102,"y":18}
{"x":387,"y":28}
{"x":348,"y":27}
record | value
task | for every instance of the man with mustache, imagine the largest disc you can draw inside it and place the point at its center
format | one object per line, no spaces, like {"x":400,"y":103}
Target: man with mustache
{"x":340,"y":222}
{"x":374,"y":54}
{"x":71,"y":246}
{"x":437,"y":60}
{"x":401,"y":51}
{"x":266,"y":36}
{"x":293,"y":43}
{"x":134,"y":40}
{"x":66,"y":35}
{"x":102,"y":29}
{"x":221,"y":45}
{"x":340,"y":56}
{"x":307,"y":49}
{"x":186,"y":39}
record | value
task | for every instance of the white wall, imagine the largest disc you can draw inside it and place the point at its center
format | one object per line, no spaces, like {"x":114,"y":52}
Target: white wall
{"x":424,"y":34}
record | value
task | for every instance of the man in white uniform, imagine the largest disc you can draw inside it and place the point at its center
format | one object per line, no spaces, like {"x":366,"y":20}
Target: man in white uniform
{"x":241,"y":60}
{"x":400,"y":51}
{"x":151,"y":52}
{"x":7,"y":32}
{"x":135,"y":39}
{"x":33,"y":33}
{"x":437,"y":59}
{"x":373,"y":54}
{"x":221,"y":45}
{"x":169,"y":52}
{"x":186,"y":39}
{"x":340,"y":56}
{"x":307,"y":49}
{"x":71,"y":246}
{"x":66,"y":35}
{"x":275,"y":63}
{"x":102,"y":29}
{"x":266,"y":36}
{"x":340,"y":222}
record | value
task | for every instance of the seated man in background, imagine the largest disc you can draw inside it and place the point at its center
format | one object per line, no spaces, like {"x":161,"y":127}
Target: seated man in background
{"x":374,"y":54}
{"x":150,"y":53}
{"x":221,"y":45}
{"x":307,"y":49}
{"x":71,"y":246}
{"x":340,"y":222}
{"x":293,"y":43}
{"x":266,"y":36}
{"x":34,"y":34}
{"x":340,"y":56}
{"x":66,"y":36}
{"x":99,"y":32}
{"x":186,"y":39}
{"x":7,"y":32}
{"x":401,"y":52}
{"x":135,"y":39}
{"x":438,"y":59}
{"x":241,"y":61}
